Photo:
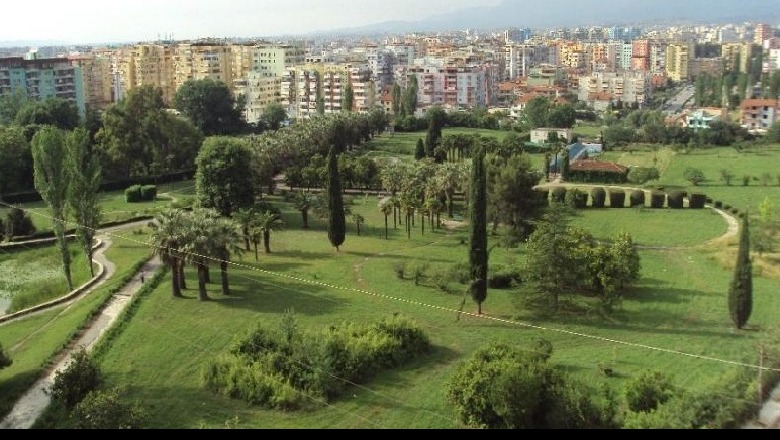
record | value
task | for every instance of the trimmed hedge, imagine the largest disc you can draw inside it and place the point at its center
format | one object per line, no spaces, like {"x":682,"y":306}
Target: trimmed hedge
{"x":140,"y":193}
{"x":559,"y":194}
{"x":697,"y":201}
{"x":718,"y":204}
{"x":637,"y":198}
{"x":657,"y":199}
{"x":598,"y":197}
{"x":676,"y":199}
{"x":617,"y":198}
{"x":542,"y":198}
{"x":577,"y":199}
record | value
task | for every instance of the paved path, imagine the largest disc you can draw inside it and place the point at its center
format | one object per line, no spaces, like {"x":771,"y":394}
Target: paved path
{"x":32,"y":404}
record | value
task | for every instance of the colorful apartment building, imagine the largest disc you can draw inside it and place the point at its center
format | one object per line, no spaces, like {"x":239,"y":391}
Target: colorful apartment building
{"x":41,"y":79}
{"x":678,"y":58}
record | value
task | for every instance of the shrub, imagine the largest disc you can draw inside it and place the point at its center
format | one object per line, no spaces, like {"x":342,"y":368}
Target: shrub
{"x":107,"y":410}
{"x":657,"y":199}
{"x":718,"y":204}
{"x":598,"y":197}
{"x":559,"y":194}
{"x":541,"y":198}
{"x":133,"y":194}
{"x":637,"y":198}
{"x":617,"y":198}
{"x":676,"y":200}
{"x":148,"y":193}
{"x":697,"y":201}
{"x":746,"y":180}
{"x":647,"y":391}
{"x":642,"y":175}
{"x":81,"y":376}
{"x":399,"y":268}
{"x":18,"y":224}
{"x":727,"y":207}
{"x":577,"y":199}
{"x":502,"y":277}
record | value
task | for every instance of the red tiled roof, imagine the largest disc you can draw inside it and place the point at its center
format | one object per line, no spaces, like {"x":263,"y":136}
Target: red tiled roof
{"x":748,"y":103}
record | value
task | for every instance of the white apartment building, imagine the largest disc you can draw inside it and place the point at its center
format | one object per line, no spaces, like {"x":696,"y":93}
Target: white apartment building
{"x":630,"y":86}
{"x":260,"y":90}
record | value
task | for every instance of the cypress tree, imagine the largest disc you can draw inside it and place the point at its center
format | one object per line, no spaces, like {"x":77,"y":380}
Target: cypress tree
{"x":741,"y":288}
{"x":478,"y":256}
{"x":419,"y":151}
{"x":337,"y":222}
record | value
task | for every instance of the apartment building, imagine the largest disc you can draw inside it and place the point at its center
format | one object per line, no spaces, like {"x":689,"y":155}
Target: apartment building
{"x":273,"y":59}
{"x":759,"y":114}
{"x":42,"y":79}
{"x":448,"y":86}
{"x":736,"y":56}
{"x":632,"y":86}
{"x":678,"y":57}
{"x":148,"y":64}
{"x":299,"y":91}
{"x":97,"y":78}
{"x":259,"y":91}
{"x":762,"y":33}
{"x":202,"y":60}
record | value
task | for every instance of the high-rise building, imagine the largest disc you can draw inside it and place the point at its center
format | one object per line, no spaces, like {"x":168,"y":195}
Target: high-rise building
{"x":149,"y":64}
{"x":678,"y":57}
{"x":42,"y":79}
{"x":97,"y":78}
{"x":762,"y":33}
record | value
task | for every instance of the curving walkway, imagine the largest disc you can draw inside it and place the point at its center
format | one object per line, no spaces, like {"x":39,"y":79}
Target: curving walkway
{"x":32,"y":404}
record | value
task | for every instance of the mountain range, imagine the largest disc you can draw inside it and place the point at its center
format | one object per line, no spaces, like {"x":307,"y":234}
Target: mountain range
{"x":573,"y":13}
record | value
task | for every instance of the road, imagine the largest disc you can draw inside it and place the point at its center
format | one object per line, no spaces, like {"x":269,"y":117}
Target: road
{"x":677,"y":103}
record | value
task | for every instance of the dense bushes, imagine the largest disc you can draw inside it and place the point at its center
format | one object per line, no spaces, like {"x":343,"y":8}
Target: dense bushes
{"x":559,"y":194}
{"x":286,"y":368}
{"x":676,"y":199}
{"x":637,"y":198}
{"x":141,"y":193}
{"x":657,"y":199}
{"x":78,"y":379}
{"x":617,"y":198}
{"x":501,"y":387}
{"x":697,"y":201}
{"x":598,"y":197}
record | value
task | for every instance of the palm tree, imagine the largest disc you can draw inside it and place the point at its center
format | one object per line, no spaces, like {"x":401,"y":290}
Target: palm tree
{"x":244,"y":218}
{"x":267,"y":222}
{"x":359,"y":220}
{"x":200,"y":245}
{"x":386,"y":206}
{"x":227,"y":237}
{"x":167,"y":240}
{"x":304,"y":202}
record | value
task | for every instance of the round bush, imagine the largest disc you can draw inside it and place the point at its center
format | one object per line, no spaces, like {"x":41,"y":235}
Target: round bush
{"x":617,"y":198}
{"x":598,"y":197}
{"x":577,"y":199}
{"x":676,"y":199}
{"x":698,"y":201}
{"x":559,"y":194}
{"x":718,"y":204}
{"x":637,"y":198}
{"x":657,"y":199}
{"x":542,"y":198}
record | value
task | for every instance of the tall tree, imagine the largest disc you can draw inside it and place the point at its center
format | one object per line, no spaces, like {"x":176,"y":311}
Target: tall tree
{"x":210,"y":106}
{"x":419,"y":150}
{"x":478,"y":252}
{"x":225,"y":179}
{"x":337,"y":222}
{"x":267,"y":222}
{"x":437,"y":119}
{"x":410,"y":97}
{"x":537,"y":111}
{"x":348,"y":99}
{"x":15,"y":160}
{"x":227,"y":244}
{"x":85,"y":175}
{"x":396,"y":94}
{"x":51,"y":111}
{"x":51,"y":182}
{"x":741,"y":288}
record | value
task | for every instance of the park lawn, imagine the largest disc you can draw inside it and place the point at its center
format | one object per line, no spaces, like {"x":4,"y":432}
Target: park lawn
{"x":753,"y":163}
{"x":588,"y":130}
{"x":33,"y":342}
{"x":650,"y":227}
{"x":661,"y":158}
{"x":679,"y":306}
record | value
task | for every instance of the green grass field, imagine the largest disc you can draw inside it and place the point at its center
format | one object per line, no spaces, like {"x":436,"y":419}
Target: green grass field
{"x":674,"y":320}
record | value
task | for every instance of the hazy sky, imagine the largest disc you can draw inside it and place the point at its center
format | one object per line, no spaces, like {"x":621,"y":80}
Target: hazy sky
{"x":97,"y":21}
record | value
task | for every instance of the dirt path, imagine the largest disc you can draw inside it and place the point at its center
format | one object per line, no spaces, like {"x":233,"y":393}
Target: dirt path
{"x":32,"y":404}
